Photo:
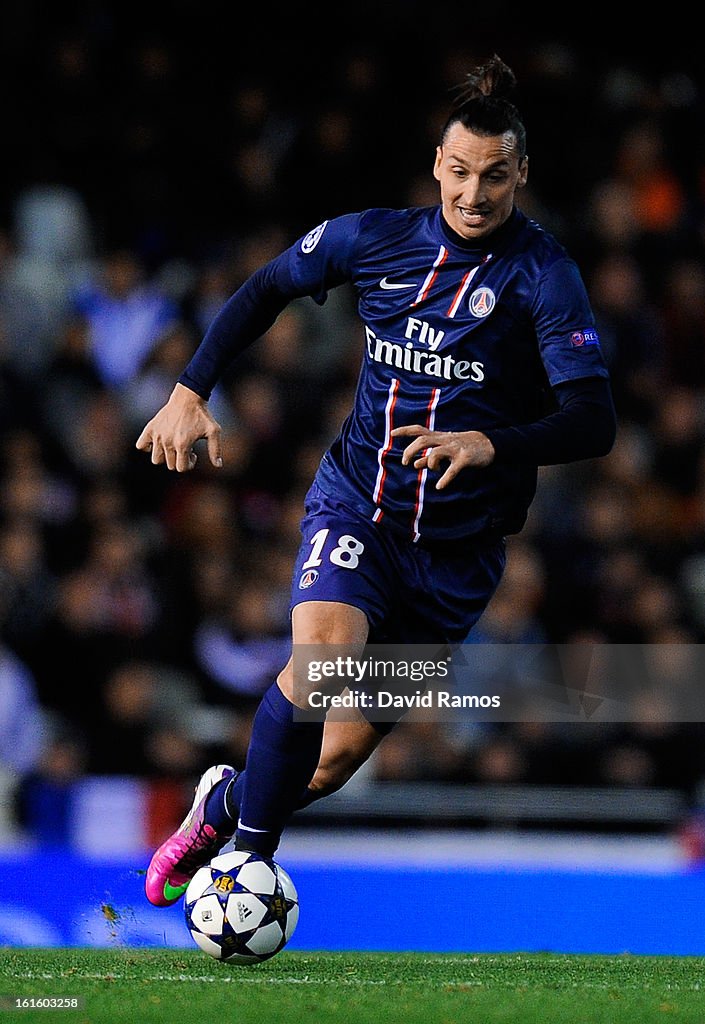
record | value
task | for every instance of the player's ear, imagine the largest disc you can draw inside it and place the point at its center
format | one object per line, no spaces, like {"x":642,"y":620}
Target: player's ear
{"x":437,"y":164}
{"x":523,"y":172}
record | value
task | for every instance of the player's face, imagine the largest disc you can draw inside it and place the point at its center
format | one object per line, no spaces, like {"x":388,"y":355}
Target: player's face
{"x":478,"y":175}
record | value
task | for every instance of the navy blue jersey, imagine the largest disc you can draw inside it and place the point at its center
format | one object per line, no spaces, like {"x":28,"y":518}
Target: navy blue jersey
{"x":457,"y":336}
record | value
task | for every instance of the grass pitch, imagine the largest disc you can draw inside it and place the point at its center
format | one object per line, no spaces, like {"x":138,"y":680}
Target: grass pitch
{"x":142,"y":986}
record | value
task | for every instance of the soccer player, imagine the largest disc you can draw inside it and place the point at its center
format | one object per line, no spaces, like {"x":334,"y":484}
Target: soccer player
{"x":481,"y":363}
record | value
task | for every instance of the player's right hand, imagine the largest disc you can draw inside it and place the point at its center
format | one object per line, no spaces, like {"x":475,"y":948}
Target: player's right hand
{"x":172,"y":433}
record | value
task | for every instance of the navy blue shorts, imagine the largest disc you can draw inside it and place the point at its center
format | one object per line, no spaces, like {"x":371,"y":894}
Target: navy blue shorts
{"x":411,"y":594}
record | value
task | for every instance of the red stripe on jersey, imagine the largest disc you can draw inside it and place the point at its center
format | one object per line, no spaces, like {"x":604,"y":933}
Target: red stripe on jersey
{"x":464,"y":285}
{"x":431,"y":276}
{"x":423,"y":473}
{"x":381,"y":452}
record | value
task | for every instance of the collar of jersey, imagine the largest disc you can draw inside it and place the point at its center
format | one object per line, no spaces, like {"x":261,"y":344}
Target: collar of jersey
{"x":491,"y":243}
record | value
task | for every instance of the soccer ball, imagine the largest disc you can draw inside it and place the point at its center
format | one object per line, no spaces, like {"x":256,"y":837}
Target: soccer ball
{"x":241,"y":908}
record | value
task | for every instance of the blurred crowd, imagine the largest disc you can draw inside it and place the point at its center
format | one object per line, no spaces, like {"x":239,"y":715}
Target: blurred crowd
{"x":142,"y":614}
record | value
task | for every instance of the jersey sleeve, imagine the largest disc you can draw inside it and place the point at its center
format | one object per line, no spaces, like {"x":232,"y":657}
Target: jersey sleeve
{"x":568,"y":340}
{"x":584,"y":427}
{"x":322,"y":259}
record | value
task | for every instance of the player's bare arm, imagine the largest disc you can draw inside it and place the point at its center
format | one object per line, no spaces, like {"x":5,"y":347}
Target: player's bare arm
{"x":431,"y":448}
{"x":172,"y":433}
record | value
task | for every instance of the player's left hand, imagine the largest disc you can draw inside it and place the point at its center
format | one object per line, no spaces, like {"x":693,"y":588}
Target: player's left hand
{"x":431,"y":448}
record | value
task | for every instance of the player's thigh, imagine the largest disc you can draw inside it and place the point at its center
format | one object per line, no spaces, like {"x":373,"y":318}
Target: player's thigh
{"x":322,"y":632}
{"x":329,"y":622}
{"x":343,"y":559}
{"x":341,"y":584}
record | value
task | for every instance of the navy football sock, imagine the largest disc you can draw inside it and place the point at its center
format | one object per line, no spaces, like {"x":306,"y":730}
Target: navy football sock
{"x":228,"y":796}
{"x":217,"y":811}
{"x":281,"y":759}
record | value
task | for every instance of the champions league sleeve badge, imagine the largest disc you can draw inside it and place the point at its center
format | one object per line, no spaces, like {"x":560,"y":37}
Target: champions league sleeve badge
{"x":313,"y":238}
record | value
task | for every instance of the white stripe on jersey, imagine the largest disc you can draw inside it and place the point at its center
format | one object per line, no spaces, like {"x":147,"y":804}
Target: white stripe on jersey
{"x":431,"y":420}
{"x":461,"y":291}
{"x":442,"y":253}
{"x":381,"y":452}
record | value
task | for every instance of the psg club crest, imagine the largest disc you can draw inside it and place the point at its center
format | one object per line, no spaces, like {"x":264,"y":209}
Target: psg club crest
{"x":482,"y":301}
{"x":307,"y":579}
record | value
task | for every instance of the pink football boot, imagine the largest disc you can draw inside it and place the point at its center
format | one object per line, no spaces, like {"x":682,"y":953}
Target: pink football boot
{"x":193,"y":844}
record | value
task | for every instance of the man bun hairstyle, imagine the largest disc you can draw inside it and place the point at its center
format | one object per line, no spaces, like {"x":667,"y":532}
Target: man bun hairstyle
{"x":482,"y":103}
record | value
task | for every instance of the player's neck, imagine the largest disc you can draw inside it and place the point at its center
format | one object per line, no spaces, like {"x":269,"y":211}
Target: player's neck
{"x":478,"y":245}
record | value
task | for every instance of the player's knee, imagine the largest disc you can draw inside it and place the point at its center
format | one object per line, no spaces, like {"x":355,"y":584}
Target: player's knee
{"x":302,"y":678}
{"x":285,"y":680}
{"x":329,"y":778}
{"x":295,"y":685}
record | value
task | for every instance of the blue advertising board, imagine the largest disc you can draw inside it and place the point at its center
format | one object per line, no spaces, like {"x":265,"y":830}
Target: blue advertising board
{"x":55,"y":897}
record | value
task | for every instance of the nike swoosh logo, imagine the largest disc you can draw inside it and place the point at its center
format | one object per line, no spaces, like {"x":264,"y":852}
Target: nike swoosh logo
{"x":173,"y":892}
{"x":389,"y":286}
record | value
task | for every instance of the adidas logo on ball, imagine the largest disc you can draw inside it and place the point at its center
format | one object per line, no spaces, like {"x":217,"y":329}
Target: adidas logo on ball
{"x":243,"y":910}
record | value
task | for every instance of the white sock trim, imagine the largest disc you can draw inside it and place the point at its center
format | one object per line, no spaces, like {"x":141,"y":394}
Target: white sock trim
{"x":246,"y":828}
{"x":225,"y":797}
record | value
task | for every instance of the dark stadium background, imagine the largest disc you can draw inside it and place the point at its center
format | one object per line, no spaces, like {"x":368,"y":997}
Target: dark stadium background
{"x":164,"y":155}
